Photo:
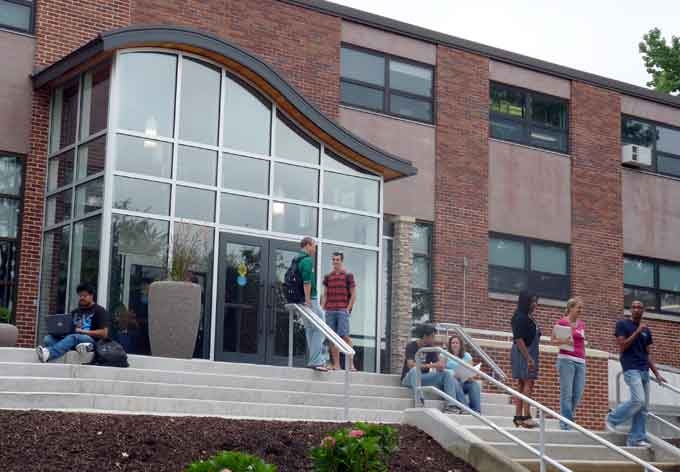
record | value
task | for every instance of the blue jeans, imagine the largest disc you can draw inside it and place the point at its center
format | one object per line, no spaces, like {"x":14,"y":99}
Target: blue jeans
{"x":59,"y":347}
{"x":473,"y":392}
{"x":444,"y":380}
{"x":572,"y":382}
{"x":315,"y":338}
{"x":636,"y":407}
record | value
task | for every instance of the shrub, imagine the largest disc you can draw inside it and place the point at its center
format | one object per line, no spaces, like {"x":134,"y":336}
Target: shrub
{"x":5,"y":315}
{"x":363,"y":448}
{"x":232,"y":461}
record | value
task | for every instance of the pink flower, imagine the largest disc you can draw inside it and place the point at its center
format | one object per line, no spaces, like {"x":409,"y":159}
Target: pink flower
{"x":356,"y":433}
{"x":328,"y":442}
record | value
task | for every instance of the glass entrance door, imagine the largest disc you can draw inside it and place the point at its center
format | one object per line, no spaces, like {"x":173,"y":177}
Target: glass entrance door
{"x":252,"y":322}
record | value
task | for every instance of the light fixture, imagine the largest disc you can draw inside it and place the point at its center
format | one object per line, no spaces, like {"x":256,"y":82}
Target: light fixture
{"x":151,"y":131}
{"x":278,"y":208}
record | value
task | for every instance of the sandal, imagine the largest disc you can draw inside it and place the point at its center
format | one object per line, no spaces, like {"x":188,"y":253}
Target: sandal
{"x":528,"y":422}
{"x":320,"y":368}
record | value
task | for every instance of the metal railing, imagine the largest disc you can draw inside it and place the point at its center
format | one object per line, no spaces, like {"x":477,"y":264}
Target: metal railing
{"x":542,"y":411}
{"x":329,"y":334}
{"x":458,"y":329}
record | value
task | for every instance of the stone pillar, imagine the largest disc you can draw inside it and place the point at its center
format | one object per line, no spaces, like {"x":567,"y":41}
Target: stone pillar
{"x":402,"y":261}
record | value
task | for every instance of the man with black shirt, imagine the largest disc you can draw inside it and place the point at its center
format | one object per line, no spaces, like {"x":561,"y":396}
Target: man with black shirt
{"x":634,"y":339}
{"x":441,"y":378}
{"x":90,"y":322}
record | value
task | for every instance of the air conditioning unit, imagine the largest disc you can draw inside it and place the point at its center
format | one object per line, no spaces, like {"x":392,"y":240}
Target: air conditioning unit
{"x":635,"y":155}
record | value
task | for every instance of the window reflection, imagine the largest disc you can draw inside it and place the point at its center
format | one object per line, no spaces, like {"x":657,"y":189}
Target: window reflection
{"x":247,"y":118}
{"x":199,"y":104}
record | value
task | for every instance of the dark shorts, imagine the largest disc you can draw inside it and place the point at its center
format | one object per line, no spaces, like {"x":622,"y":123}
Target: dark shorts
{"x":338,"y":320}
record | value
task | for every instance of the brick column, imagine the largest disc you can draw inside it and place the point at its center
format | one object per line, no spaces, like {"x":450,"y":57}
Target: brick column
{"x":402,"y":261}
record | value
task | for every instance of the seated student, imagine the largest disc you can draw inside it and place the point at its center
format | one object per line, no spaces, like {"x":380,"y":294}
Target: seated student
{"x":469,"y":387}
{"x":440,"y":378}
{"x":90,"y":323}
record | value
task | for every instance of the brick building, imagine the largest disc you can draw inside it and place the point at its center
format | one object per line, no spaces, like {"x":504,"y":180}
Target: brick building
{"x":451,"y":174}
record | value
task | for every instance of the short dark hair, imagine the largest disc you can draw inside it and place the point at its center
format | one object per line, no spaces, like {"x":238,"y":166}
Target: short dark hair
{"x":340,"y":255}
{"x":306,"y":241}
{"x":426,"y":330}
{"x":85,"y":287}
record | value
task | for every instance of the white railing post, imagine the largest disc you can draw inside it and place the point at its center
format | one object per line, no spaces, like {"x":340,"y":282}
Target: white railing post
{"x":291,"y":314}
{"x":418,"y":401}
{"x":541,"y":435}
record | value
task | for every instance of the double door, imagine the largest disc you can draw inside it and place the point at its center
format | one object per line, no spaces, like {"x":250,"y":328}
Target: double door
{"x":252,"y":322}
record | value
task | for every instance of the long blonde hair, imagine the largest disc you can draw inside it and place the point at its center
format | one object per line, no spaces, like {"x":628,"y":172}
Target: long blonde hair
{"x":571,"y":303}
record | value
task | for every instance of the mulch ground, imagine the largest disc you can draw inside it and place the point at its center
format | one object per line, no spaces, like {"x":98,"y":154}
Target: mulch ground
{"x":52,"y":441}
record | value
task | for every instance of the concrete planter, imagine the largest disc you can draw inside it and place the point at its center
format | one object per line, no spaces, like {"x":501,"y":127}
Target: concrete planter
{"x":174,"y":316}
{"x":8,"y":335}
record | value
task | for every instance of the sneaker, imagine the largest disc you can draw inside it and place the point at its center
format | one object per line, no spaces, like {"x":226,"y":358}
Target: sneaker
{"x":642,"y":443}
{"x":452,"y":410}
{"x":83,"y":348}
{"x":612,"y":428}
{"x":43,"y":353}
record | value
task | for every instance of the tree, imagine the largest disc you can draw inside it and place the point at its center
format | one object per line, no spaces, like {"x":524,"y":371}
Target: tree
{"x":662,"y":61}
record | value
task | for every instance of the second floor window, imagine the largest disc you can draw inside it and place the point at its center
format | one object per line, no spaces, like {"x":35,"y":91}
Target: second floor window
{"x":386,"y":84}
{"x":527,"y":117}
{"x":421,"y":275}
{"x":17,"y":15}
{"x":655,"y":283}
{"x":664,"y":142}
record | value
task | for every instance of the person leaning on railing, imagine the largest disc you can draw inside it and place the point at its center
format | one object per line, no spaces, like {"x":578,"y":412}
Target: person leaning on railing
{"x":526,"y":335}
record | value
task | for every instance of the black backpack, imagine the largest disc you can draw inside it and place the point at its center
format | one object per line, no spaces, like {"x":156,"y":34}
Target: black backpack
{"x":110,"y":353}
{"x":292,"y":282}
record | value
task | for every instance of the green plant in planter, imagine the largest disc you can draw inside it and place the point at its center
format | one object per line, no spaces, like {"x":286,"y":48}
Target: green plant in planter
{"x":5,"y":315}
{"x":363,"y":448}
{"x":233,"y":462}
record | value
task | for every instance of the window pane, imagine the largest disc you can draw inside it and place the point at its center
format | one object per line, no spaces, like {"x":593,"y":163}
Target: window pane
{"x":199,"y":102}
{"x":91,"y":158}
{"x":195,"y":204}
{"x":197,"y":165}
{"x":411,"y":108}
{"x":236,"y":210}
{"x":670,"y":302}
{"x":53,"y":276}
{"x":420,"y":243}
{"x":89,"y":197}
{"x":66,"y":120}
{"x":365,"y":97}
{"x":647,"y":297}
{"x":9,"y":217}
{"x":340,"y":226}
{"x":15,"y":15}
{"x":510,"y":130}
{"x":351,"y":192}
{"x":638,"y":272}
{"x":549,"y":285}
{"x":550,"y":259}
{"x":8,"y":274}
{"x":336,"y":163}
{"x":411,"y":78}
{"x":420,"y":273}
{"x":297,"y":183}
{"x":58,"y":208}
{"x":547,"y":138}
{"x":667,"y":164}
{"x":669,"y":140}
{"x":294,"y":219}
{"x":421,"y":306}
{"x":141,"y":195}
{"x":362,"y":66}
{"x":292,"y":144}
{"x":507,"y":101}
{"x":637,"y":132}
{"x":139,"y":255}
{"x":507,"y":253}
{"x":147,"y":93}
{"x":548,"y":111}
{"x":143,"y":156}
{"x":95,"y":101}
{"x":506,"y":280}
{"x":245,"y":173}
{"x":60,"y":170}
{"x":669,"y":277}
{"x":85,"y":256}
{"x":10,"y":175}
{"x":247,"y":119}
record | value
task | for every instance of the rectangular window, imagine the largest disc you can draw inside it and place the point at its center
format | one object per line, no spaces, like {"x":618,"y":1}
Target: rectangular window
{"x":653,"y":282}
{"x":527,"y":117}
{"x":421,"y":273}
{"x":17,"y":15}
{"x":664,"y":142}
{"x":517,"y":264}
{"x":386,"y":84}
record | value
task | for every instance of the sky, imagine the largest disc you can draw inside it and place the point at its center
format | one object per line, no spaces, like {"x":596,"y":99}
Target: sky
{"x":597,"y":36}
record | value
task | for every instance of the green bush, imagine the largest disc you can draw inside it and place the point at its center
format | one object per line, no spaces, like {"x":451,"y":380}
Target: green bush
{"x":5,"y":315}
{"x":364,"y":448}
{"x":232,"y":461}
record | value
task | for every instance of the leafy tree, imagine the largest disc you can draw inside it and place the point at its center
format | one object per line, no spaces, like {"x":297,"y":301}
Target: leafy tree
{"x":662,"y":61}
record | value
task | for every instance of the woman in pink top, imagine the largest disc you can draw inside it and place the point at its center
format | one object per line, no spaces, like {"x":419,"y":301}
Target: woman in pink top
{"x":571,"y":363}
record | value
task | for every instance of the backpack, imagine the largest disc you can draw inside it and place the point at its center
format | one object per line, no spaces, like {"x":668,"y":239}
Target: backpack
{"x":110,"y":353}
{"x":292,"y":282}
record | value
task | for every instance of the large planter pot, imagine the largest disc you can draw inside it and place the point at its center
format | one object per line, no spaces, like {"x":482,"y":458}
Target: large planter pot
{"x":8,"y":335}
{"x":174,"y":316}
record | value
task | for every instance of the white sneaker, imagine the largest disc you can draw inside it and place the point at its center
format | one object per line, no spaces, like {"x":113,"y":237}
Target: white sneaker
{"x":612,"y":428}
{"x":83,"y":348}
{"x":43,"y":353}
{"x":642,"y":443}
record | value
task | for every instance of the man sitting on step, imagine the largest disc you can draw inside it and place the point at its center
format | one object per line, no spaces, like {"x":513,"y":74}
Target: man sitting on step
{"x":90,"y":322}
{"x":433,"y":372}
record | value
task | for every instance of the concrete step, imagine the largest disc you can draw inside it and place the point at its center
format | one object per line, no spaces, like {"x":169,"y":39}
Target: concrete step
{"x":183,"y":407}
{"x":555,"y":436}
{"x":572,"y":451}
{"x":504,"y":421}
{"x":599,"y":466}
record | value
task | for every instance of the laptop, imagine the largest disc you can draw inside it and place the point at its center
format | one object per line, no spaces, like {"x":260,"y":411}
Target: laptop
{"x":59,"y":325}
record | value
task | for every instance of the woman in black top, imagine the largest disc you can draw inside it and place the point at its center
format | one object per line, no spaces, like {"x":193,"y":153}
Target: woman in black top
{"x":524,"y":355}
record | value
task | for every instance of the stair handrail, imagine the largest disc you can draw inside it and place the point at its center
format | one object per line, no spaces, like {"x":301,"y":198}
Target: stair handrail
{"x":329,"y":334}
{"x":475,"y":347}
{"x":542,"y":409}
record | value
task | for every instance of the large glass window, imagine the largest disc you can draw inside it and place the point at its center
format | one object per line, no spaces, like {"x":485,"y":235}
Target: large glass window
{"x":663,"y":141}
{"x":528,"y":117}
{"x":54,"y":274}
{"x":11,"y":188}
{"x":94,"y":104}
{"x":247,"y":118}
{"x":198,"y":108}
{"x":517,"y":264}
{"x":653,"y":282}
{"x":386,"y":84}
{"x":421,"y":273}
{"x":17,"y":15}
